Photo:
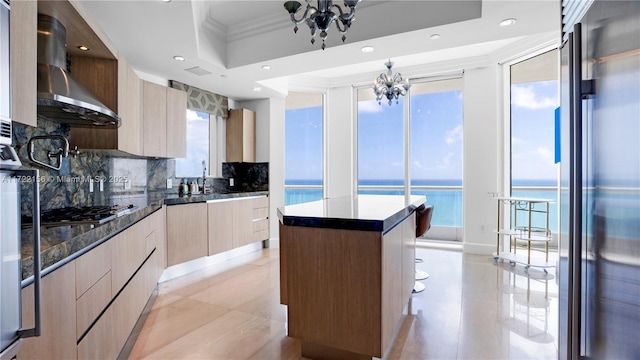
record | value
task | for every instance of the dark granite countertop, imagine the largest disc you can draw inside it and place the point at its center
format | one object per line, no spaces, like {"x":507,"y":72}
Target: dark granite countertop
{"x":59,"y":245}
{"x":361,"y":212}
{"x":175,"y":200}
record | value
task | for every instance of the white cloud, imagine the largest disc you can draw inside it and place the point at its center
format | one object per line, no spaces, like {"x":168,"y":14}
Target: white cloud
{"x":454,"y":135}
{"x":524,"y":97}
{"x":446,"y":161}
{"x":417,"y":164}
{"x":369,"y":107}
{"x":195,"y":116}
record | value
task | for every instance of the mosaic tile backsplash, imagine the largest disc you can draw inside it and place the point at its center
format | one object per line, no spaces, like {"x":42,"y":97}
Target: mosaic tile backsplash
{"x":127,"y":180}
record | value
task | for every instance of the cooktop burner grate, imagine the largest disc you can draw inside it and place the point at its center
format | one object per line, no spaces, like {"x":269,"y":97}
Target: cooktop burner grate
{"x":93,"y":215}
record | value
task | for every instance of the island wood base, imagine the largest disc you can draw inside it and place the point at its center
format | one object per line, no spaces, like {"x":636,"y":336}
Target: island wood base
{"x":346,"y":290}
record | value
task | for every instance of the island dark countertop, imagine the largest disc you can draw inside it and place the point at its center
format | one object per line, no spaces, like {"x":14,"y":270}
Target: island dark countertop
{"x":62,"y":244}
{"x":360,"y":212}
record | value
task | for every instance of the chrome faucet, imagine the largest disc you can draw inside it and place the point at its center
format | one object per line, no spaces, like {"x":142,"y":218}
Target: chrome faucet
{"x":62,"y":151}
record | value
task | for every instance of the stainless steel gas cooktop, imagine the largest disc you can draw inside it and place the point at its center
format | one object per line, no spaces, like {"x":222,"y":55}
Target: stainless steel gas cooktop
{"x":91,"y":215}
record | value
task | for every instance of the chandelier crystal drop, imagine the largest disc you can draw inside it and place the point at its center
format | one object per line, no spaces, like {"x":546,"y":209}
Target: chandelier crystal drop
{"x":321,"y":17}
{"x":390,"y":86}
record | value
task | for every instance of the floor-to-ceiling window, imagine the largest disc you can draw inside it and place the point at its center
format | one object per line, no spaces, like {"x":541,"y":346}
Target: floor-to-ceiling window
{"x":534,"y":98}
{"x":303,"y":148}
{"x":434,"y":119}
{"x":380,"y":145}
{"x":436,"y":148}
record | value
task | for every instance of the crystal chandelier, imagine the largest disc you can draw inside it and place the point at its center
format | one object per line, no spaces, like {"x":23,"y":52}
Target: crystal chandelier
{"x":389,"y":85}
{"x":322,"y":16}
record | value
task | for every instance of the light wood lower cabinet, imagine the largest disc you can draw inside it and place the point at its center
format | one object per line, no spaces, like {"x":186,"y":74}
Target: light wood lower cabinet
{"x":220,"y":220}
{"x":58,"y":338}
{"x":242,"y":222}
{"x":110,"y":332}
{"x":186,"y":233}
{"x":237,"y":222}
{"x":104,"y":291}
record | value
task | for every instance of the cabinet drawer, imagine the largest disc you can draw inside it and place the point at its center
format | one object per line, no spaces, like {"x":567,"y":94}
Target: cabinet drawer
{"x":260,"y":202}
{"x":92,"y":266}
{"x":260,"y":213}
{"x":259,"y":225}
{"x":92,"y":302}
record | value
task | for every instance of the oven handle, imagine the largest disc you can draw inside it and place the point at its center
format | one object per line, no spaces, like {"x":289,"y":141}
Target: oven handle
{"x":35,"y":215}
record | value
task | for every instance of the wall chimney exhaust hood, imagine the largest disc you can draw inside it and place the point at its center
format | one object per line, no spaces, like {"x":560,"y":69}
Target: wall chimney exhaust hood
{"x":60,"y":97}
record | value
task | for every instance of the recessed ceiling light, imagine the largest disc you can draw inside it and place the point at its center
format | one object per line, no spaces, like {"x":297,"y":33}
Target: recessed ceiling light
{"x":83,"y":48}
{"x":266,"y":67}
{"x":367,"y":49}
{"x":508,"y":22}
{"x":178,"y":58}
{"x":165,"y":0}
{"x":257,"y":89}
{"x":435,"y":37}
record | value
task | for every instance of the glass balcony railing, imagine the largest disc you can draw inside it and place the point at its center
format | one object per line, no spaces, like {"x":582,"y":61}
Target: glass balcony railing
{"x":447,"y":200}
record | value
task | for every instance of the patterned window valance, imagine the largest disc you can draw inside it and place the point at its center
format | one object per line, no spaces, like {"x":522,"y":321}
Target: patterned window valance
{"x":203,"y":100}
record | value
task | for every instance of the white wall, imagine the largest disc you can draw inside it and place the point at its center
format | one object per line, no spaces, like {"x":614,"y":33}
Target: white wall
{"x":482,"y":162}
{"x":339,"y":136}
{"x":270,"y":148}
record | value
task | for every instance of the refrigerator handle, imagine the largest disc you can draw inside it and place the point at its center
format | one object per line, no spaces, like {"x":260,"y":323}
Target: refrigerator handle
{"x":35,"y":215}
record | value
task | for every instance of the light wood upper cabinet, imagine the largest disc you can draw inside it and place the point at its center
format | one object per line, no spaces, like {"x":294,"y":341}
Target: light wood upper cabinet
{"x":24,"y":40}
{"x":176,"y":123}
{"x":164,"y":117}
{"x":241,"y":136}
{"x":130,"y":110}
{"x":154,"y":118}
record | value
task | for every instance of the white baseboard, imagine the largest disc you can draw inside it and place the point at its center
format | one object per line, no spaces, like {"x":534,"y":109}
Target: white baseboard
{"x":176,"y":271}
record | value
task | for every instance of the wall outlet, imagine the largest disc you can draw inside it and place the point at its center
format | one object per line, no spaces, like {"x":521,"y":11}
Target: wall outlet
{"x":231,"y":182}
{"x":169,"y":183}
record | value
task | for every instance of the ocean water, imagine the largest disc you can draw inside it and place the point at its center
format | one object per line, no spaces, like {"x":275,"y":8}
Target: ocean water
{"x":444,"y":195}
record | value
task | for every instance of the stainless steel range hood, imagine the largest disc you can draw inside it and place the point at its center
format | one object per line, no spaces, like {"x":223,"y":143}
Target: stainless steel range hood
{"x":60,"y":97}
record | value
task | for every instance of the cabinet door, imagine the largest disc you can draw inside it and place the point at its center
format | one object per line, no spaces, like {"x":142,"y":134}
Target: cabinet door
{"x":241,"y":136}
{"x":58,"y":338}
{"x":24,"y":23}
{"x":242,"y":222}
{"x":176,"y":123}
{"x":248,"y":136}
{"x":154,"y":119}
{"x":186,"y":233}
{"x":129,"y":99}
{"x":220,"y":222}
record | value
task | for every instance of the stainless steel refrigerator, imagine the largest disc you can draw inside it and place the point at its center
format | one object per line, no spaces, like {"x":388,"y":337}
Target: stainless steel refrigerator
{"x":11,"y":176}
{"x":599,"y":268}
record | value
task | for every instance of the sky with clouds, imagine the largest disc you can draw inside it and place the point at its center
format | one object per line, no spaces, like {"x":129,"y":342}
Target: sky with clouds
{"x":436,"y":137}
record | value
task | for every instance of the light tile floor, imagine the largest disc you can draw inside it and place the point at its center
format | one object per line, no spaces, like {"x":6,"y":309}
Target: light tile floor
{"x":471,"y":309}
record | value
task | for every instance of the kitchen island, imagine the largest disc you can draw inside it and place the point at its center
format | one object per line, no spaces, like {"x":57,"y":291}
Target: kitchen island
{"x":346,"y":272}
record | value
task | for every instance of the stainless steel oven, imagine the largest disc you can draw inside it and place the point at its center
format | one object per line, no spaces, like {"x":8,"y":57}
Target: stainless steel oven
{"x":11,"y":175}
